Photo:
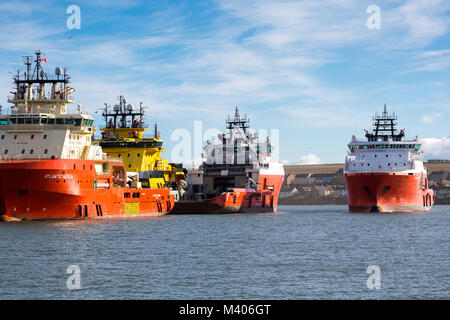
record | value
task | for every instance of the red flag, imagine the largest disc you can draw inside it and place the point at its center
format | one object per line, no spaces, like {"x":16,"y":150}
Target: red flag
{"x":44,"y":60}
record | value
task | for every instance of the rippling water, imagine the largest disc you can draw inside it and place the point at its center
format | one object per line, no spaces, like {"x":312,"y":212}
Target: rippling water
{"x":303,"y":252}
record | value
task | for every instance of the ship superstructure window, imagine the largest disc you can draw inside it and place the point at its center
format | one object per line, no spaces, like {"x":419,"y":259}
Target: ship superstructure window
{"x":3,"y":121}
{"x":6,"y":151}
{"x":45,"y":136}
{"x":45,"y":151}
{"x":31,"y":151}
{"x":69,"y":121}
{"x":27,"y":120}
{"x":15,"y":136}
{"x":3,"y":136}
{"x":32,"y":137}
{"x":23,"y":151}
{"x":51,"y":121}
{"x":43,"y":120}
{"x":77,"y":122}
{"x":60,"y":121}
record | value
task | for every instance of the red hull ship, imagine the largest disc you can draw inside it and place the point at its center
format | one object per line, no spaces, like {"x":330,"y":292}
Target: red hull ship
{"x":238,"y":176}
{"x":386,"y":174}
{"x":49,"y":168}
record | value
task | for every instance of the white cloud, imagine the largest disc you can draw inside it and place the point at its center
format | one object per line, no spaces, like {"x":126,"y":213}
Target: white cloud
{"x":429,"y":118}
{"x":436,"y":148}
{"x":309,"y":159}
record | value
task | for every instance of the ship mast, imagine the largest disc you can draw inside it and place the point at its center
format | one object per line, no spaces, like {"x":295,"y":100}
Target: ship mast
{"x":384,"y":127}
{"x":118,"y":117}
{"x":30,"y":95}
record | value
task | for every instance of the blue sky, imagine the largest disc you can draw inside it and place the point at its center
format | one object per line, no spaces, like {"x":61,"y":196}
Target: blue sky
{"x":311,"y":69}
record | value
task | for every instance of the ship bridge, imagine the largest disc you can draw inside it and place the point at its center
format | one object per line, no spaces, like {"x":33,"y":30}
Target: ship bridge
{"x":123,"y":138}
{"x":38,"y":125}
{"x":384,"y":150}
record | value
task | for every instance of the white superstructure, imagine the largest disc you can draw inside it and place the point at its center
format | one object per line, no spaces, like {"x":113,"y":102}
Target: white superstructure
{"x":384,"y":150}
{"x":38,"y":126}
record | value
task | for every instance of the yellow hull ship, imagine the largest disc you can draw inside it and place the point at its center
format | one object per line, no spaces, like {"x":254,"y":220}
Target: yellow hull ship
{"x":123,"y":138}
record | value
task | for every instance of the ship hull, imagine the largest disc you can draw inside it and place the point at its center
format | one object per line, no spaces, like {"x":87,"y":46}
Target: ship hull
{"x":388,"y":192}
{"x":71,"y":189}
{"x":238,"y":200}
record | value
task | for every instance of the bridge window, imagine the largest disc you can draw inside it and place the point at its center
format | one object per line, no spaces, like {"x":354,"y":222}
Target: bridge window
{"x":35,"y":120}
{"x":44,"y":120}
{"x":136,"y":195}
{"x":77,"y":122}
{"x":2,"y":122}
{"x":51,"y":121}
{"x":60,"y":121}
{"x":27,"y":120}
{"x":69,"y":121}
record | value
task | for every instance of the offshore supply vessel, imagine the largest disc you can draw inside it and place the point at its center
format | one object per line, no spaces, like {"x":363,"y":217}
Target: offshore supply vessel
{"x":123,"y":138}
{"x":49,"y":167}
{"x":386,"y":173}
{"x":238,"y":175}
